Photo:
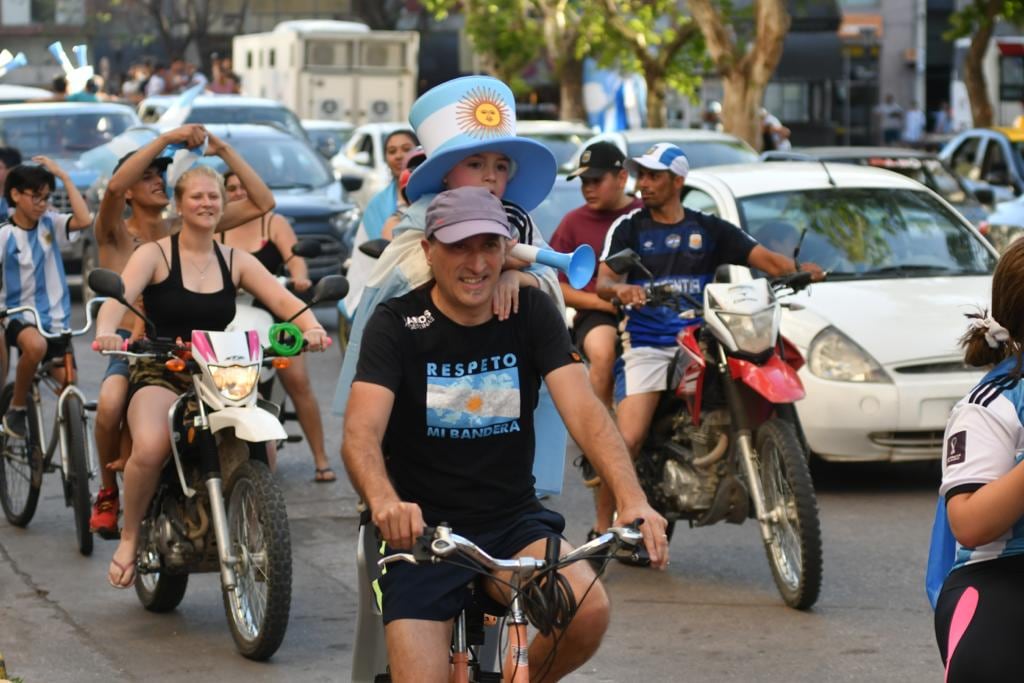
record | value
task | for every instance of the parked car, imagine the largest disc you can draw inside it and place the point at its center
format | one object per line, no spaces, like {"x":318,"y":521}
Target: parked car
{"x":328,"y":137}
{"x":563,"y":138}
{"x":879,"y":336}
{"x":363,"y":157}
{"x":702,"y":147}
{"x":223,"y":109}
{"x":12,"y":94}
{"x":63,"y":131}
{"x":988,"y":157}
{"x":924,"y":167}
{"x":304,"y":187}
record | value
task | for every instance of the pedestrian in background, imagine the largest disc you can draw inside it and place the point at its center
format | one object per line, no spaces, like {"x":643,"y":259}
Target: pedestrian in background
{"x":913,"y":125}
{"x":890,"y":120}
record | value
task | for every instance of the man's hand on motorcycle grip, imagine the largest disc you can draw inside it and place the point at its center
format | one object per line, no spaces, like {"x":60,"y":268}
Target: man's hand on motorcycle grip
{"x":400,"y":523}
{"x":108,"y":342}
{"x":817,"y":274}
{"x":630,"y":295}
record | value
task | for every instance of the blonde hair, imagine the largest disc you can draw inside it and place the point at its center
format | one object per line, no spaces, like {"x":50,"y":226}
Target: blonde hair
{"x":197,"y":171}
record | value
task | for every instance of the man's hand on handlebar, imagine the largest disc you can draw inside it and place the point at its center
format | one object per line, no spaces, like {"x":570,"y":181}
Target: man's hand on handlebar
{"x":400,"y":523}
{"x":817,"y":274}
{"x":654,"y":530}
{"x":630,"y":295}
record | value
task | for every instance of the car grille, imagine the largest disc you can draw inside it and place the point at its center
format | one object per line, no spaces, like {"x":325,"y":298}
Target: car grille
{"x":924,"y":440}
{"x":935,"y":368}
{"x":60,"y":202}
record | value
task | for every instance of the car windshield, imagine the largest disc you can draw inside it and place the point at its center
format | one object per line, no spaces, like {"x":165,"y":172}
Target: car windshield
{"x":929,"y":172}
{"x":240,"y":114}
{"x":282,"y":162}
{"x":327,"y":141}
{"x":867,"y":232}
{"x":66,"y":134}
{"x":562,"y":145}
{"x":703,"y":152}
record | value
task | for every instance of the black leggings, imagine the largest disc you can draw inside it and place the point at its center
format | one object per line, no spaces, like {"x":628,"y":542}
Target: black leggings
{"x":990,"y":647}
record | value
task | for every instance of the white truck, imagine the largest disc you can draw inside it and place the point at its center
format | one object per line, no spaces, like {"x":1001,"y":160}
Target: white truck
{"x":335,"y":70}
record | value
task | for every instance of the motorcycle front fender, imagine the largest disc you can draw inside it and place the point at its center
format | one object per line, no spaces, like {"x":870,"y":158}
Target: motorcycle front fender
{"x":776,"y":380}
{"x":250,"y":423}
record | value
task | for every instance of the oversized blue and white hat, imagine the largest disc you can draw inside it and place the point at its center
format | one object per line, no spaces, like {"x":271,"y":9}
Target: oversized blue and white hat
{"x":477,"y":114}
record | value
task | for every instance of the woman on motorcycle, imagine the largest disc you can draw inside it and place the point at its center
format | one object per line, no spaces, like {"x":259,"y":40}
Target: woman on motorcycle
{"x":187,"y":281}
{"x":270,"y":239}
{"x":979,"y":615}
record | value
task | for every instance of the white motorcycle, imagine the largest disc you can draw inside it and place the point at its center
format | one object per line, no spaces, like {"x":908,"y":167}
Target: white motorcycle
{"x":217,"y":506}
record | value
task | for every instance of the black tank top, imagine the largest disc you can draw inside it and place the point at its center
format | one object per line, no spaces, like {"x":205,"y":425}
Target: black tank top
{"x":268,"y":253}
{"x":176,"y":311}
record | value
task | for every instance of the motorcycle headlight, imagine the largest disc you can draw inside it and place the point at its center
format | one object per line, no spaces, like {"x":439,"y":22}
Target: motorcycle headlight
{"x":751,"y":332}
{"x":346,"y":221}
{"x":235,"y":382}
{"x":832,"y":355}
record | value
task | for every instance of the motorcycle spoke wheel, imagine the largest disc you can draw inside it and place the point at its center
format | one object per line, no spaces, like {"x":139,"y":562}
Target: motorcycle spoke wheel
{"x":157,"y":591}
{"x":21,"y":470}
{"x":794,"y":551}
{"x":257,"y":608}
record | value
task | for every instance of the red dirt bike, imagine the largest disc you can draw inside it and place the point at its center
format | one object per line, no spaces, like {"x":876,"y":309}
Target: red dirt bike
{"x":725,"y":442}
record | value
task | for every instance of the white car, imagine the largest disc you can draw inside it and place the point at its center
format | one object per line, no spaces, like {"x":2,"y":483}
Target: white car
{"x":879,"y":336}
{"x":328,"y":137}
{"x":702,"y":147}
{"x":563,"y":138}
{"x":222,"y":109}
{"x":363,"y":157}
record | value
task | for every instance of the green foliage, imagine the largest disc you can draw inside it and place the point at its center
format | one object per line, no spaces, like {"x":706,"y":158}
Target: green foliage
{"x":967,"y":21}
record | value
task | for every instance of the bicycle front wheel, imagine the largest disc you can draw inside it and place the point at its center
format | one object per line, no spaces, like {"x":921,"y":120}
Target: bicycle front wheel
{"x":77,"y":478}
{"x":21,"y":468}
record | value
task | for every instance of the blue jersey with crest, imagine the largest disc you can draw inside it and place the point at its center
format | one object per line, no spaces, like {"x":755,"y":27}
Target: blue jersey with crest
{"x":686,"y":253}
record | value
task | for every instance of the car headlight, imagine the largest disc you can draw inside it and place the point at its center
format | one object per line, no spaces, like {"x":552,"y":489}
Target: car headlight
{"x":751,"y":332}
{"x":832,"y":355}
{"x":345,"y":222}
{"x":235,"y":382}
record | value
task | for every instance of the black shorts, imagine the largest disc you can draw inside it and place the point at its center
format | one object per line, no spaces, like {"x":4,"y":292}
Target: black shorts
{"x":586,"y":320}
{"x":54,"y":347}
{"x":438,"y":592}
{"x":990,"y":646}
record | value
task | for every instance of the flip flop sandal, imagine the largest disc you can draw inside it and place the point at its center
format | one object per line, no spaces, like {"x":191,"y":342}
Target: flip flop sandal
{"x":325,"y":475}
{"x":125,"y":570}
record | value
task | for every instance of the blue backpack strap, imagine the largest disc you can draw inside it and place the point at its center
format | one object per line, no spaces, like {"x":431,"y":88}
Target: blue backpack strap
{"x":941,"y":553}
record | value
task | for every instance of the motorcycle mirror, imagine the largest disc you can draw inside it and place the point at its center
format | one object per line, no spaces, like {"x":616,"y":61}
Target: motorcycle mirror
{"x":622,"y":262}
{"x":307,"y":248}
{"x":351,"y":183}
{"x":329,"y":288}
{"x":374,"y":248}
{"x":108,"y":283}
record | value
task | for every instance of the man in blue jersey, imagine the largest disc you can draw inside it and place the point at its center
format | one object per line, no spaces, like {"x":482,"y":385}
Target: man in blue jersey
{"x":33,"y":273}
{"x":677,"y":245}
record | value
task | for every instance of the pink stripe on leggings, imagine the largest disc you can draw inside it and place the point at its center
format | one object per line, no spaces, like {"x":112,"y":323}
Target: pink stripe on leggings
{"x":962,"y":615}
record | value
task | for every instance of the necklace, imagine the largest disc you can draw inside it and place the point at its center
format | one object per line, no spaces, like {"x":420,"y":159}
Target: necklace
{"x":202,"y":271}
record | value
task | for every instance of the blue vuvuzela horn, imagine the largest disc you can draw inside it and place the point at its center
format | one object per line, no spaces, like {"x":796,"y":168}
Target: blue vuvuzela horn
{"x":577,"y":266}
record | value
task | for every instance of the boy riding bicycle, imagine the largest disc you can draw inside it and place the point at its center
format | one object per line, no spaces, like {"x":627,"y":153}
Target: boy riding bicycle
{"x":33,"y":272}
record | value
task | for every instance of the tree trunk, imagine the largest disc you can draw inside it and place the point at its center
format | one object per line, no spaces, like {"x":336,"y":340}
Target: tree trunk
{"x":570,"y":90}
{"x":974,"y":75}
{"x":741,"y":105}
{"x":656,"y":87}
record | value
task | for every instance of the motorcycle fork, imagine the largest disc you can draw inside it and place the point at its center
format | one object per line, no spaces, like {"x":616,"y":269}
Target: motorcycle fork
{"x":744,"y":441}
{"x":210,"y":462}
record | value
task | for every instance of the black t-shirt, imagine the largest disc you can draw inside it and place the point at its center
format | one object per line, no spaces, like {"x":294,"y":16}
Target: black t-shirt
{"x":686,"y":253}
{"x":460,"y":439}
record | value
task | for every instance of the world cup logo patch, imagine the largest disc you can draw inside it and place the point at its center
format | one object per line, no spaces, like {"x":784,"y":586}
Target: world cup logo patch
{"x":481,"y":113}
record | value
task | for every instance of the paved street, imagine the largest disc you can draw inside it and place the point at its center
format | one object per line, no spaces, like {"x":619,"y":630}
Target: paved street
{"x":713,"y":616}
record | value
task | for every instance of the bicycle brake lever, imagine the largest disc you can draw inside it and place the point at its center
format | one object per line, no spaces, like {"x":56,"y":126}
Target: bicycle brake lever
{"x":397,"y":557}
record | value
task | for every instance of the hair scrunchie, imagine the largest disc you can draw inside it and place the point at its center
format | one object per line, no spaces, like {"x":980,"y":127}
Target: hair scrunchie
{"x":995,"y":334}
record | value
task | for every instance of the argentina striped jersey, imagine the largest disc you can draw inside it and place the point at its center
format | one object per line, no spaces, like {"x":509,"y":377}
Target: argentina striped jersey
{"x":33,"y":271}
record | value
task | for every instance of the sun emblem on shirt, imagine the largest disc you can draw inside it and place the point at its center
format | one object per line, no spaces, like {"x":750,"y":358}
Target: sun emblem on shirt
{"x":46,"y":237}
{"x":482,"y":113}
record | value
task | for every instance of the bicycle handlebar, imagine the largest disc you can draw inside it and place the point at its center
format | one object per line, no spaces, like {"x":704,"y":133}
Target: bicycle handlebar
{"x":439,"y":543}
{"x":89,"y":318}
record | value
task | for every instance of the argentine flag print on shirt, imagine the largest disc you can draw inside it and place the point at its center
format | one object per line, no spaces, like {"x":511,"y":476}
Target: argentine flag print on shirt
{"x":33,"y":271}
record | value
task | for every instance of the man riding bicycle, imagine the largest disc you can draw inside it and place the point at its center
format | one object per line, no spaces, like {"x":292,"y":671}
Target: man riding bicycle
{"x":675,"y":244}
{"x":439,"y":427}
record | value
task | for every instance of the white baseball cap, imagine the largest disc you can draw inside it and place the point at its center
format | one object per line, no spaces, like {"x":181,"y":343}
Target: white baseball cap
{"x":663,"y":156}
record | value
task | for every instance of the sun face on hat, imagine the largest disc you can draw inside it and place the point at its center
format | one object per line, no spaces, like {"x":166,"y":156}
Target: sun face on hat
{"x":482,"y":113}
